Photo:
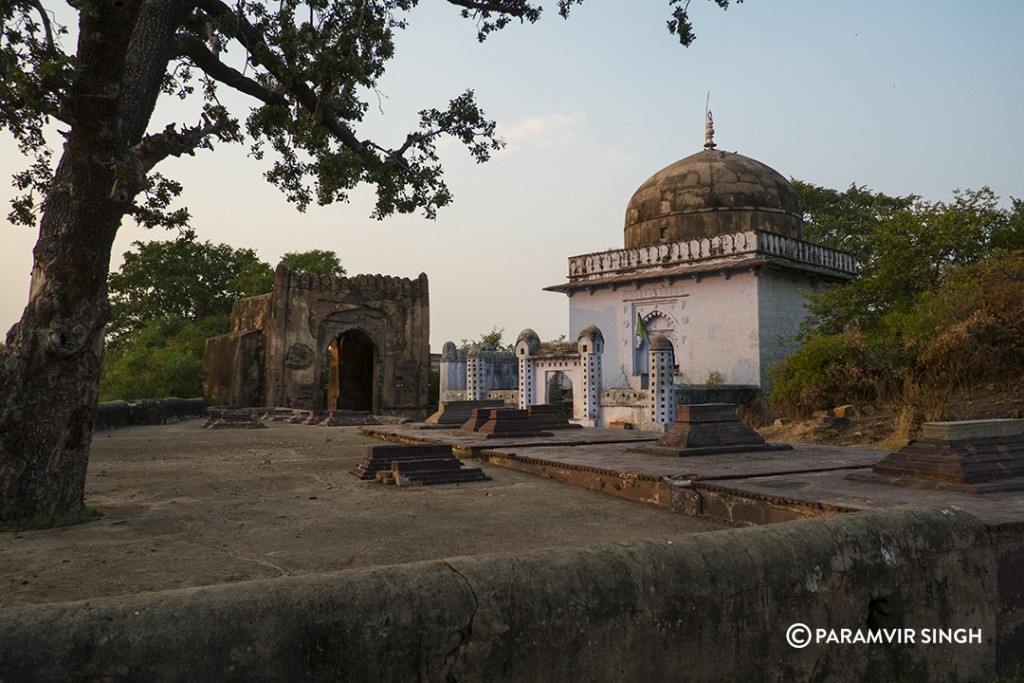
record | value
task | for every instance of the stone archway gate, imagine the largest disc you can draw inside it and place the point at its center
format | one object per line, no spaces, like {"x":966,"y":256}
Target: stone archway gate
{"x":274,"y":354}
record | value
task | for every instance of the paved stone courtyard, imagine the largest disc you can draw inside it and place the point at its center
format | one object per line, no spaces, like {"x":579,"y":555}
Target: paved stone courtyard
{"x":183,"y":507}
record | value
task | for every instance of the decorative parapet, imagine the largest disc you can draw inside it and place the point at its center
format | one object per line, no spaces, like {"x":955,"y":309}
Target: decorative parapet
{"x":335,"y":283}
{"x":754,"y":243}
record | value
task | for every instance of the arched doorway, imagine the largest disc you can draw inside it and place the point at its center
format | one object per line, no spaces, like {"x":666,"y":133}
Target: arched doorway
{"x":350,"y":383}
{"x":559,"y":392}
{"x":655,"y":322}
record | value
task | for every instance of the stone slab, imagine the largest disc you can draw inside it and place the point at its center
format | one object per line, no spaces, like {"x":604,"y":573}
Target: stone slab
{"x":808,"y":480}
{"x":702,"y":426}
{"x":709,"y":450}
{"x":707,"y":412}
{"x":469,"y":442}
{"x":971,"y":429}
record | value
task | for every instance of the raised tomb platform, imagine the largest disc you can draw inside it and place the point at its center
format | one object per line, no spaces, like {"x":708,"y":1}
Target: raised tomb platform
{"x":548,"y":416}
{"x":501,"y":423}
{"x":415,"y":465}
{"x":454,"y":414}
{"x":709,"y":429}
{"x":970,"y":456}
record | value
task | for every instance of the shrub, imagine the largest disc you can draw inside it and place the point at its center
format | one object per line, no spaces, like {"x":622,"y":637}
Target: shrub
{"x":826,"y":371}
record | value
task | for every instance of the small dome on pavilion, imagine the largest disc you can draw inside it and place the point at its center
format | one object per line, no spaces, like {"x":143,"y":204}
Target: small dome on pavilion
{"x":591,"y":332}
{"x":530,"y":339}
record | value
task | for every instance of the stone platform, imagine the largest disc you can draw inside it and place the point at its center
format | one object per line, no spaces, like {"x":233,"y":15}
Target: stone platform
{"x":739,"y":488}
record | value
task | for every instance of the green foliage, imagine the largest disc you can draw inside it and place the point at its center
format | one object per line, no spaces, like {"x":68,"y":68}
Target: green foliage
{"x":180,"y":279}
{"x":904,"y":245}
{"x":846,"y":220}
{"x":168,"y":298}
{"x":165,"y":359}
{"x":939,"y":305}
{"x":316,"y":261}
{"x":829,"y":369}
{"x":493,"y":338}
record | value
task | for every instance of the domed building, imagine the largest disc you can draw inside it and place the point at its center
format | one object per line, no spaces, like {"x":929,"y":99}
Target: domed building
{"x":714,"y":267}
{"x":707,"y":294}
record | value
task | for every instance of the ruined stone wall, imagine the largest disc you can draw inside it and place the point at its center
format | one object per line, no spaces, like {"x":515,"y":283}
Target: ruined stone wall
{"x":713,"y":606}
{"x":308,"y":312}
{"x":250,"y":313}
{"x":234,"y":368}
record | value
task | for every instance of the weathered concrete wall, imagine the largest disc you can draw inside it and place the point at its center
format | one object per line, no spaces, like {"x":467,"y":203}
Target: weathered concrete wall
{"x":706,"y":607}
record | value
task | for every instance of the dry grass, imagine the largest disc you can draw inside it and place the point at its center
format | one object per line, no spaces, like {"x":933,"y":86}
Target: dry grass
{"x":890,"y":427}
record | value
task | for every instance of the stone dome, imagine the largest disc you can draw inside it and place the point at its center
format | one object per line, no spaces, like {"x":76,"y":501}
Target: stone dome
{"x":711,"y":193}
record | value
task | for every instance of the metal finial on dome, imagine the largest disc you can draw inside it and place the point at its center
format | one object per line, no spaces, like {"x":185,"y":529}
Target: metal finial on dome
{"x":709,"y":132}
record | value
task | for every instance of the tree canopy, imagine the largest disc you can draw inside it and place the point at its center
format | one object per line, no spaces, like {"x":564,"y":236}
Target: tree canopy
{"x":904,"y":245}
{"x":308,"y":65}
{"x":168,"y":298}
{"x":314,"y":261}
{"x":937,"y":308}
{"x":181,"y":279}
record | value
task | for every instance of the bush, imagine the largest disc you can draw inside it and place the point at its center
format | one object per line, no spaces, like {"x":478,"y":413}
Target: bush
{"x":971,"y":330}
{"x":829,"y":370}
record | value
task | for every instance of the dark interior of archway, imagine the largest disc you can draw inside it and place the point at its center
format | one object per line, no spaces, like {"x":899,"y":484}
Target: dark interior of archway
{"x":559,"y":392}
{"x":355,"y":367}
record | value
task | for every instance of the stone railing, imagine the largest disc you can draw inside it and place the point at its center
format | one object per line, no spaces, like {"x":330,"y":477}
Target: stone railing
{"x":806,"y":252}
{"x":754,"y":242}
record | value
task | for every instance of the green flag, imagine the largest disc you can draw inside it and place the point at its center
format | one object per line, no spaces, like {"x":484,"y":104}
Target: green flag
{"x":641,"y":330}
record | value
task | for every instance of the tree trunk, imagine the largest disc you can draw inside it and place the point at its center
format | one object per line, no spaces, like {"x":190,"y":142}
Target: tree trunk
{"x":50,"y":368}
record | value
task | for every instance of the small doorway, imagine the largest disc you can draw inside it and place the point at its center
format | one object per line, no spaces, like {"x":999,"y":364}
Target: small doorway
{"x":350,"y":384}
{"x":559,"y":392}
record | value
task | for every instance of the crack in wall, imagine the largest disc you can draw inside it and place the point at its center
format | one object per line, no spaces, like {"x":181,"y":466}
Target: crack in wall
{"x":465,"y":632}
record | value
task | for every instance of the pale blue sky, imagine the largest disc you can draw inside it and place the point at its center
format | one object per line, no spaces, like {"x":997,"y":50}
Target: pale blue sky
{"x":902,"y":97}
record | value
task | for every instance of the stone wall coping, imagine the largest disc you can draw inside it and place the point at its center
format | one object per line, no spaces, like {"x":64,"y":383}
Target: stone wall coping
{"x":971,"y":429}
{"x":750,"y":243}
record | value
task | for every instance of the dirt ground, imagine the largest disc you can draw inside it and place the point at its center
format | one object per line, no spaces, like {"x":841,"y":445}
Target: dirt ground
{"x":183,"y":506}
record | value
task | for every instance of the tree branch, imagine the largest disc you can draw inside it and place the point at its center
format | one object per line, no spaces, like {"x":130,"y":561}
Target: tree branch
{"x":195,"y":50}
{"x":46,"y":24}
{"x":250,"y":37}
{"x":512,"y":9}
{"x":153,"y":149}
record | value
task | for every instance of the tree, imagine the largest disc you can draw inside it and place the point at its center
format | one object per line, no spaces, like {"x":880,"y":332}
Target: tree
{"x":904,"y":246}
{"x":164,"y":358}
{"x":180,"y":279}
{"x":492,"y":339}
{"x":307,"y":65}
{"x":937,"y":304}
{"x":315,"y":261}
{"x":168,"y":298}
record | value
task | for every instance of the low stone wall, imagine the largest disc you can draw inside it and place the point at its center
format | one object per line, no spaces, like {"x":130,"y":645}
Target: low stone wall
{"x":112,"y":414}
{"x":713,"y":606}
